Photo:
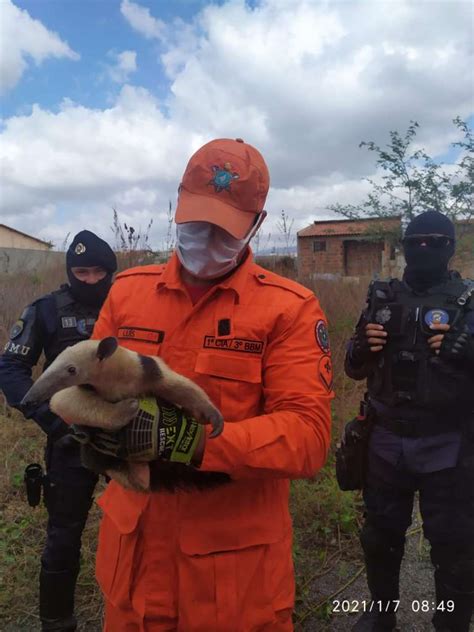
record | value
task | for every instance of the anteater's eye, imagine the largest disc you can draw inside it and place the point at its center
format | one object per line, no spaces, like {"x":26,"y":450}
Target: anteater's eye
{"x":71,"y":370}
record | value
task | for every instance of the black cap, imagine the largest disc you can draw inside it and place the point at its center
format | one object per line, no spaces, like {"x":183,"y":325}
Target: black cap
{"x":87,"y":250}
{"x":431,"y":223}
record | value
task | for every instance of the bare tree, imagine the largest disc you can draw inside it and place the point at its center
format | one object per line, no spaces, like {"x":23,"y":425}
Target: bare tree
{"x":285,"y":227}
{"x":170,"y":239}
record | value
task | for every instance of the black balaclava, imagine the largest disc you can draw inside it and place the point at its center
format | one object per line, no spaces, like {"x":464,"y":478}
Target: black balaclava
{"x":88,"y":250}
{"x":426,"y":266}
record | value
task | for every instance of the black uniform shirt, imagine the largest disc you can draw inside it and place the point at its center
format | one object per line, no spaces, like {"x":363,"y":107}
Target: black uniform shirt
{"x":418,"y":455}
{"x":50,"y":324}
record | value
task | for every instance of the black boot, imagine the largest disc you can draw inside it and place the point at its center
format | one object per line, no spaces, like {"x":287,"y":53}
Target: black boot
{"x":57,"y":600}
{"x":376,"y":622}
{"x":459,"y":620}
{"x":383,"y":554}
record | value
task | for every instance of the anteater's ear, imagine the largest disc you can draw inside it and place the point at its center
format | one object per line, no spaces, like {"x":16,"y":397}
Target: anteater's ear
{"x":107,"y":347}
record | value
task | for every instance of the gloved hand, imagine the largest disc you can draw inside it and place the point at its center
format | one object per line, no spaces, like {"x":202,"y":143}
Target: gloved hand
{"x":54,"y":427}
{"x":367,"y":340}
{"x":458,"y":346}
{"x":158,"y":431}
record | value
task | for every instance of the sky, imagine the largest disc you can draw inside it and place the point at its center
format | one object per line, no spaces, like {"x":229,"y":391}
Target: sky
{"x":104,"y":101}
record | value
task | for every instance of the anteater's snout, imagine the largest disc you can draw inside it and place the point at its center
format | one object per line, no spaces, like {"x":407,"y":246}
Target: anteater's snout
{"x":41,"y":391}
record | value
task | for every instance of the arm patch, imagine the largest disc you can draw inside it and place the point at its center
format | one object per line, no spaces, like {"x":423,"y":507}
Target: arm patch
{"x":24,"y":339}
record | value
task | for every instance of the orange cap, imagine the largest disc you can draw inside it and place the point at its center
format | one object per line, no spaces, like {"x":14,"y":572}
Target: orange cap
{"x":225,"y":183}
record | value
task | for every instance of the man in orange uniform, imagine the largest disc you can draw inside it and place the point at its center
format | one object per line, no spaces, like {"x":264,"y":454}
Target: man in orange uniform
{"x":220,"y":559}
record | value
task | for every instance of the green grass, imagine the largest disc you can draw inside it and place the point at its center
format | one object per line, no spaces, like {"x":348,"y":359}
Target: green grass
{"x":326,"y":524}
{"x":325,"y":520}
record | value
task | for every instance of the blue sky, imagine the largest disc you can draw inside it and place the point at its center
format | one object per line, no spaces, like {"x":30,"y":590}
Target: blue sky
{"x":104,"y":101}
{"x":94,"y":29}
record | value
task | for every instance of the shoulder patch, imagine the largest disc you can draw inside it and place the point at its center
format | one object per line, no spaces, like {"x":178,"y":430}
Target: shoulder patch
{"x":16,"y":330}
{"x":152,"y":270}
{"x":322,"y":336}
{"x":264,"y":277}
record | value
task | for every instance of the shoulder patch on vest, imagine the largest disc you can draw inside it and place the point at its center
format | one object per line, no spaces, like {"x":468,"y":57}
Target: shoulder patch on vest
{"x":264,"y":277}
{"x":152,"y":270}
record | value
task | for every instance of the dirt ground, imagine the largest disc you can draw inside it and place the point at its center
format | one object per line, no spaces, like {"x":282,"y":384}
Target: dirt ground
{"x":416,"y":584}
{"x":341,"y":578}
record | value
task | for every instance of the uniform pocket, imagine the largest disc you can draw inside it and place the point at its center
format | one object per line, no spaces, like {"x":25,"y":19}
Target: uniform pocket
{"x":118,"y":536}
{"x":241,"y":590}
{"x":233,"y":383}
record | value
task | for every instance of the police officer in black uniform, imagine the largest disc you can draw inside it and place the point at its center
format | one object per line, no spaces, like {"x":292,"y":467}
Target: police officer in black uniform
{"x":50,"y":324}
{"x":415,"y":345}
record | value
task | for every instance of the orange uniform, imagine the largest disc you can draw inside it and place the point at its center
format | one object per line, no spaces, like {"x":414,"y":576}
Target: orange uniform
{"x":219,"y":560}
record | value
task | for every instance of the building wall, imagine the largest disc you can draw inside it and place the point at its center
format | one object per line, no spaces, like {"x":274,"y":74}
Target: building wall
{"x":329,"y":261}
{"x":353,"y":258}
{"x":13,"y":260}
{"x":12,"y":239}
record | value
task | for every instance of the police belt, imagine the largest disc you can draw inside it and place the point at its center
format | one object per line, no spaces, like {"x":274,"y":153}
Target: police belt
{"x":416,"y":428}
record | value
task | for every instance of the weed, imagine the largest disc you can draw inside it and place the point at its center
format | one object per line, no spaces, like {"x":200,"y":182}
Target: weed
{"x":326,"y":520}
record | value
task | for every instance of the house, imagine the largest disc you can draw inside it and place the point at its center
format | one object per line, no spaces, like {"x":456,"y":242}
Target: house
{"x":12,"y":238}
{"x":349,"y":248}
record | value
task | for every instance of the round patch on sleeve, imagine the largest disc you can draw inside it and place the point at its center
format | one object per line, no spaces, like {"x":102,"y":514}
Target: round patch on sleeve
{"x":325,"y":372}
{"x":16,"y":329}
{"x":322,"y":336}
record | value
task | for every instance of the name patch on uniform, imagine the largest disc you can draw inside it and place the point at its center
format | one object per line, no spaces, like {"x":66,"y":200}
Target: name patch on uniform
{"x":233,"y":344}
{"x":68,"y":322}
{"x":141,"y":334}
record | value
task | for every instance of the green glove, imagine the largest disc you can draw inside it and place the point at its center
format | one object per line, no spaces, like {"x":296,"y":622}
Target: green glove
{"x":158,"y":431}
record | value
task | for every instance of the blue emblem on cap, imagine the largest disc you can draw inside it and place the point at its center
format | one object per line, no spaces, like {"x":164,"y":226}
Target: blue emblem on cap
{"x":223,"y":177}
{"x":436,"y":317}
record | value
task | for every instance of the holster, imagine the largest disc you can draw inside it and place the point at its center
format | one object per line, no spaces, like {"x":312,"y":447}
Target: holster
{"x":351,"y":453}
{"x":34,"y":480}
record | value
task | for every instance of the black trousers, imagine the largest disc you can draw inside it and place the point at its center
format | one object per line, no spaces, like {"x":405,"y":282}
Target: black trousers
{"x":68,"y":493}
{"x":447,"y":507}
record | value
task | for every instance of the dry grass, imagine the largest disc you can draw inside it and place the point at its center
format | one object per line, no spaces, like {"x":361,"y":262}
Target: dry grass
{"x":22,"y":534}
{"x":325,"y":519}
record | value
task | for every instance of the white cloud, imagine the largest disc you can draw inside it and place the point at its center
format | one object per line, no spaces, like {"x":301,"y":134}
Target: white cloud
{"x":140,"y":19}
{"x":303,"y":81}
{"x":125,"y":65}
{"x":23,"y":38}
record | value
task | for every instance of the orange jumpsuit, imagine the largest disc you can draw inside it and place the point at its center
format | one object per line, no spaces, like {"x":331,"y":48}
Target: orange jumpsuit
{"x":219,"y":560}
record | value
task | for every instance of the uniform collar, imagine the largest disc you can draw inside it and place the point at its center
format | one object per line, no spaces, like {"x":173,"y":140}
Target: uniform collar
{"x":171,"y":277}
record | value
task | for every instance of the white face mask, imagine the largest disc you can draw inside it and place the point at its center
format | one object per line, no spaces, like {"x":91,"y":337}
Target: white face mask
{"x":208,"y":251}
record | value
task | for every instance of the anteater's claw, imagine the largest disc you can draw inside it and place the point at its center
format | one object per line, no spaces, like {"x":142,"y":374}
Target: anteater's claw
{"x":217,"y":423}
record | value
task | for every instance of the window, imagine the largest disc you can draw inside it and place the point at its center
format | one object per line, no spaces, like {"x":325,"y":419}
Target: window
{"x":319,"y":246}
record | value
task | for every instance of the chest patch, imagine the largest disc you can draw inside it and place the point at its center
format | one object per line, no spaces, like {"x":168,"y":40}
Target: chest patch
{"x":140,"y":333}
{"x":234,"y":344}
{"x":437,"y":317}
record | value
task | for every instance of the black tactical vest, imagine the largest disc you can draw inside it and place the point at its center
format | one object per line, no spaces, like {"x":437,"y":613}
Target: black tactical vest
{"x":75,"y":322}
{"x":408,"y":372}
